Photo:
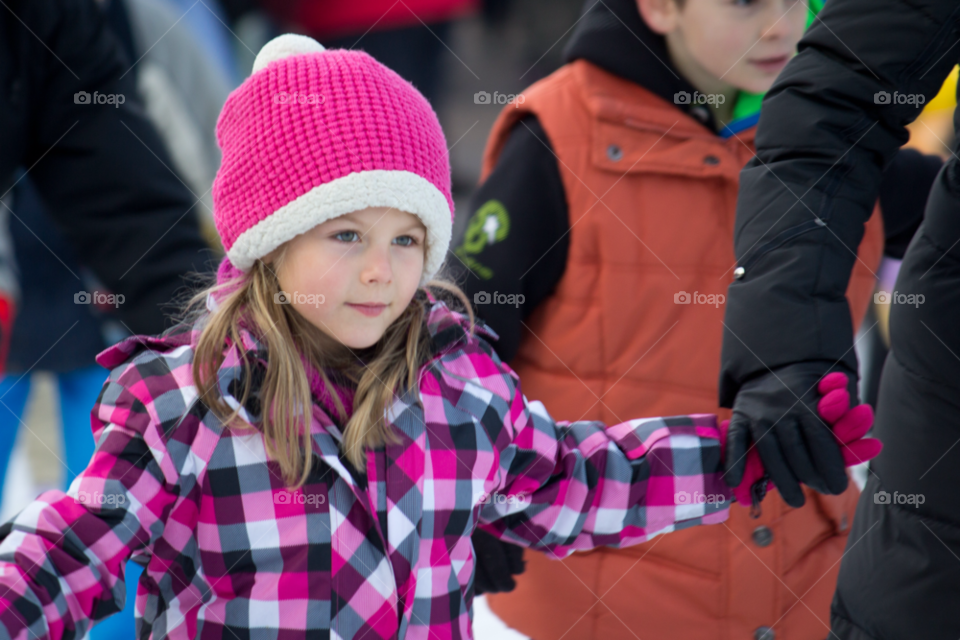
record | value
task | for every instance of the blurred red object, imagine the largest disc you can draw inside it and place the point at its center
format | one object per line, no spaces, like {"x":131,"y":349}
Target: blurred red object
{"x":329,"y":18}
{"x":6,"y":328}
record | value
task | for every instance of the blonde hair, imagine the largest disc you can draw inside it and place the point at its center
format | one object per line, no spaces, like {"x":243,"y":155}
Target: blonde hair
{"x":284,"y":395}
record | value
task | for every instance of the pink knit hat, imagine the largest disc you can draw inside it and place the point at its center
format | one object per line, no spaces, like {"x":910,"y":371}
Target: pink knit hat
{"x":313,"y":134}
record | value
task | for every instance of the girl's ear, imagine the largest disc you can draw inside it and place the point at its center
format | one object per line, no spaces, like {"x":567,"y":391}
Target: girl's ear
{"x":660,"y":15}
{"x":273,"y":259}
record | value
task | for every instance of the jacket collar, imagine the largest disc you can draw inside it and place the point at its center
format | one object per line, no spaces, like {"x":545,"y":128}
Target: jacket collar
{"x":623,"y":109}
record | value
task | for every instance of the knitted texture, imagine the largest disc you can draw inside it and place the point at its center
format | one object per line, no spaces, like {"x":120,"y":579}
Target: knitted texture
{"x":324,"y":393}
{"x":314,"y":136}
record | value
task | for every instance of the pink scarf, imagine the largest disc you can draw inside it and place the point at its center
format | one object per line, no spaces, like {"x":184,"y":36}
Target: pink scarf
{"x":323,"y":393}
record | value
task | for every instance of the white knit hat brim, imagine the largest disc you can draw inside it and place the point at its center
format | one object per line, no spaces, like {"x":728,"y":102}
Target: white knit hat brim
{"x":400,"y":190}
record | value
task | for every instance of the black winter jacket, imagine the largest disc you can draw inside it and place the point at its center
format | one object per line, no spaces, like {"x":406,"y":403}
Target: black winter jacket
{"x":833,"y":120}
{"x":825,"y":134}
{"x":101,"y":169}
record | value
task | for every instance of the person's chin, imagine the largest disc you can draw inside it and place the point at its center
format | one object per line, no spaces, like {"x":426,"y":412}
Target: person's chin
{"x":756,"y":82}
{"x":347,"y":333}
{"x":361,"y":339}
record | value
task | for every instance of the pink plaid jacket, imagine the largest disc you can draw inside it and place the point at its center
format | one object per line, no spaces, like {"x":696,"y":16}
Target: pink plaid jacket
{"x":229,"y":552}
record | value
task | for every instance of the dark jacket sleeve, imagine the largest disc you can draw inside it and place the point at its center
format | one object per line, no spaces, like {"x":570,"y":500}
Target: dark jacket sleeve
{"x":102,"y":169}
{"x":516,"y":240}
{"x":905,"y":185}
{"x":833,"y":120}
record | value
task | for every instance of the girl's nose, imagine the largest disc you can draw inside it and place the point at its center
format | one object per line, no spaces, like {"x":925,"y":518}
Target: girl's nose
{"x":377,"y":267}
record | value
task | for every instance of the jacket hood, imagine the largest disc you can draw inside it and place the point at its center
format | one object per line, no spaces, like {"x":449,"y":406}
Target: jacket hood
{"x":612,"y":35}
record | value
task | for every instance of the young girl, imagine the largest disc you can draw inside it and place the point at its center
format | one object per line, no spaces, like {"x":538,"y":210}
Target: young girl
{"x":310,"y":453}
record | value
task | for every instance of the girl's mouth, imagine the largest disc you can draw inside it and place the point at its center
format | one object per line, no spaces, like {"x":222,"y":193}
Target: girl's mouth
{"x":771,"y":65}
{"x":369,"y":310}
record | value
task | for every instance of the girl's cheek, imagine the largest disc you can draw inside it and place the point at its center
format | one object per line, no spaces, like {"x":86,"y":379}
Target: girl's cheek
{"x":334,"y":250}
{"x":409,"y":258}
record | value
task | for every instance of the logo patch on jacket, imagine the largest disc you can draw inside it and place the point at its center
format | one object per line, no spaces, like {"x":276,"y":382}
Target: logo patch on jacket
{"x":488,"y":225}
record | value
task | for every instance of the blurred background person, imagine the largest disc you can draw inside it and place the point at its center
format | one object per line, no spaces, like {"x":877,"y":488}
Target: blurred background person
{"x":102,"y":216}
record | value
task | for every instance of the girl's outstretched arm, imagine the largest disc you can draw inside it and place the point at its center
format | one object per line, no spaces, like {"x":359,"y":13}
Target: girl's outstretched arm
{"x":62,"y":558}
{"x":563,"y":486}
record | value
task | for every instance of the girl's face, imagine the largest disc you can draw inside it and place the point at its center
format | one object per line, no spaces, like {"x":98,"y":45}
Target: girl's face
{"x":352,"y":276}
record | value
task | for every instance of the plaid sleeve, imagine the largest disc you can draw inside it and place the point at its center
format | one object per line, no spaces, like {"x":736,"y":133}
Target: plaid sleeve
{"x":578,"y":485}
{"x":62,"y":558}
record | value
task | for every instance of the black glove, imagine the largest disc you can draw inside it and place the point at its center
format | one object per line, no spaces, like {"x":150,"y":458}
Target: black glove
{"x":777,"y":413}
{"x":497,"y":563}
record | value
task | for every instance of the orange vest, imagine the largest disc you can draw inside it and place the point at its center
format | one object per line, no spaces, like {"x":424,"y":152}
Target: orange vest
{"x":634,"y":329}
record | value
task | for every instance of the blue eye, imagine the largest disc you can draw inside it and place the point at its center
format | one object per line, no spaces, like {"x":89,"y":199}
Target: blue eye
{"x":347,"y":236}
{"x":406,"y":241}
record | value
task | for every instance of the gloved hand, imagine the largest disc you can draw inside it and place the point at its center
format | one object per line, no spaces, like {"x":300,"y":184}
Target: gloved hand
{"x":777,"y":413}
{"x":497,"y":563}
{"x":753,"y":474}
{"x":849,"y":427}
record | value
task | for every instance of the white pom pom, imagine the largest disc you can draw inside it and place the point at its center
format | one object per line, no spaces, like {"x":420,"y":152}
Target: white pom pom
{"x":289,"y":44}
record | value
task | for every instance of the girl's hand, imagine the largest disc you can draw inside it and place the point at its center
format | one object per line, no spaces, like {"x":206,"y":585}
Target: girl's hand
{"x":849,"y":425}
{"x":753,"y":471}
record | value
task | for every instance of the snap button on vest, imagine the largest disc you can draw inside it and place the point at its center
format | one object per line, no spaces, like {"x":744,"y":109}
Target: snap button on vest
{"x":762,"y":536}
{"x":614,"y":152}
{"x":711,"y":160}
{"x":764,"y":633}
{"x":738,"y":272}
